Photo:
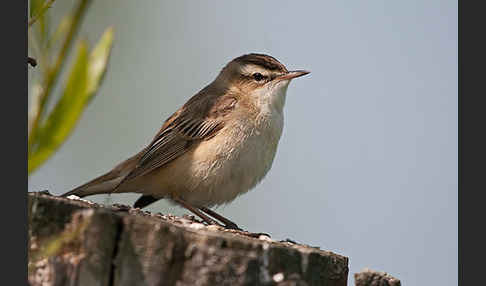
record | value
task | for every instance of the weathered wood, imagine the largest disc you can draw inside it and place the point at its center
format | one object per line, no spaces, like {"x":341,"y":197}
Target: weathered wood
{"x":369,"y":277}
{"x":78,"y":243}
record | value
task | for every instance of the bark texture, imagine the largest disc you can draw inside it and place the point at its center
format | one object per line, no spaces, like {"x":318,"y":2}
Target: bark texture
{"x":369,"y":277}
{"x":72,"y":242}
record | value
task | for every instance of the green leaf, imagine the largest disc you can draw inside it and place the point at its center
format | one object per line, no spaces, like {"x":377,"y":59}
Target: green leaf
{"x":60,"y":32}
{"x":38,"y":14}
{"x":83,"y":82}
{"x":98,"y":61}
{"x":66,"y":112}
{"x":35,"y":6}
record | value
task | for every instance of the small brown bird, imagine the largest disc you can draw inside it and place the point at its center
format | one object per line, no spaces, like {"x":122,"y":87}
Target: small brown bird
{"x":217,"y":146}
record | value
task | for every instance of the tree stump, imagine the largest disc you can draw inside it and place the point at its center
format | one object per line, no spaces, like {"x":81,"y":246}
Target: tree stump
{"x":74,"y":242}
{"x":368,"y":277}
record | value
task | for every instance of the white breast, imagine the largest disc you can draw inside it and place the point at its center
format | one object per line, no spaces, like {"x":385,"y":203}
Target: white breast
{"x":238,"y":158}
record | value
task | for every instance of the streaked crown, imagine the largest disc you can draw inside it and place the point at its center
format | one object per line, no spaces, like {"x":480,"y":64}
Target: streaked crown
{"x":252,"y":70}
{"x":265,"y":61}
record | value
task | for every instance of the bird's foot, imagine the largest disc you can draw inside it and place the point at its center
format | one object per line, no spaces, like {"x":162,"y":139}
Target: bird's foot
{"x":233,"y":226}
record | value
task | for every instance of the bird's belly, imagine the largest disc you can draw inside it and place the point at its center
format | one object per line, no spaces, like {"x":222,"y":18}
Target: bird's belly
{"x":223,"y":168}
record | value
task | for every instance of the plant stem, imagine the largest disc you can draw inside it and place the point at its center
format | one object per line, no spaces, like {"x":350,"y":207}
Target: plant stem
{"x":53,"y":72}
{"x":44,"y":8}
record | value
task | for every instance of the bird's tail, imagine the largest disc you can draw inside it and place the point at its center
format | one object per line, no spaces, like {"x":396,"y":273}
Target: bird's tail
{"x":107,"y":183}
{"x":101,"y":185}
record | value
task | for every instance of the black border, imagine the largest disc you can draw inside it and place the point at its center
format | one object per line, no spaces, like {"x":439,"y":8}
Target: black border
{"x":14,"y":140}
{"x":471,"y":143}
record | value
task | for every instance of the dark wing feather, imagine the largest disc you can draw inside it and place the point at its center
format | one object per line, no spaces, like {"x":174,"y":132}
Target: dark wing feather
{"x":180,"y":132}
{"x":144,"y":201}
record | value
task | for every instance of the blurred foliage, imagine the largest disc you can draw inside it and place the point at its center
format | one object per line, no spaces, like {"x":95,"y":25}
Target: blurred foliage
{"x":54,"y":245}
{"x":48,"y":130}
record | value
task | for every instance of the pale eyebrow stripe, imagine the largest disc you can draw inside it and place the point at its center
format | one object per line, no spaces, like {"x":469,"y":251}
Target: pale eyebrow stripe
{"x":249,"y":69}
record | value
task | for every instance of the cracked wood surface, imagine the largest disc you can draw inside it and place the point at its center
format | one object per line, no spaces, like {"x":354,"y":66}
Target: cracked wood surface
{"x":72,"y":242}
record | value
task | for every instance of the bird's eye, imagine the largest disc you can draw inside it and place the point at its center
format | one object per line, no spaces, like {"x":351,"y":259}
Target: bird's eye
{"x":258,"y":76}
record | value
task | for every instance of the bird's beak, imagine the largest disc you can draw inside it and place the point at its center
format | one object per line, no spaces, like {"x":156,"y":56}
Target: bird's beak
{"x":292,"y":74}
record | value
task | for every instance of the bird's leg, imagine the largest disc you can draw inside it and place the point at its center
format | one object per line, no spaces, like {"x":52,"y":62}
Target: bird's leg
{"x":195,"y":211}
{"x":227,"y":223}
